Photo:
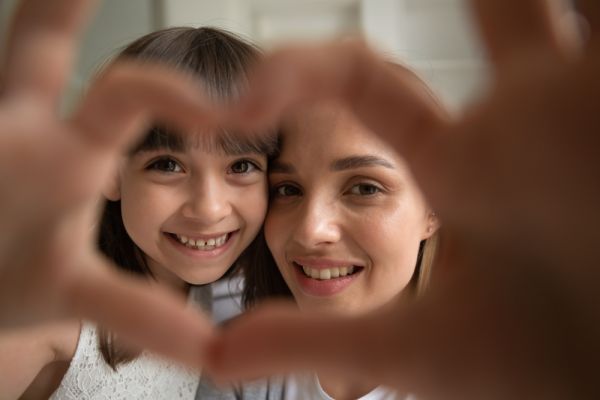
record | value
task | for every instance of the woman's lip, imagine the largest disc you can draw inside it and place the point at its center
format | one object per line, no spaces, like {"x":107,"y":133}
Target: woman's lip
{"x":323,"y":288}
{"x":324,"y":263}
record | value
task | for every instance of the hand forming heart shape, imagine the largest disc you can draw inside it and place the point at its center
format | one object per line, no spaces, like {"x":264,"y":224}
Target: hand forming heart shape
{"x":514,"y":181}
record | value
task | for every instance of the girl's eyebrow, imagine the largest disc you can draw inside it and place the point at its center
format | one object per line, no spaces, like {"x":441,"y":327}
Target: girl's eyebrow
{"x":342,"y":164}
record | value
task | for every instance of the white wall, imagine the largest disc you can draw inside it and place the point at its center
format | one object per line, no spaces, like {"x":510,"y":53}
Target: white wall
{"x":6,"y":10}
{"x":433,"y":36}
{"x":116,"y":23}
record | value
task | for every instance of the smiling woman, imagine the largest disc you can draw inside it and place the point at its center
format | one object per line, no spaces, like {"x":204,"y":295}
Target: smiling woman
{"x":346,"y":220}
{"x":347,"y":228}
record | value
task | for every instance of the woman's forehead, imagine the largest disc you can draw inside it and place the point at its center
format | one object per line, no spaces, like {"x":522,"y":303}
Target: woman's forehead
{"x":329,"y":137}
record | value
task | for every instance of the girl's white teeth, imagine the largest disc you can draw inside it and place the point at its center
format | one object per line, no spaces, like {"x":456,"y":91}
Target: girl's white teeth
{"x":324,"y":274}
{"x":200,"y":244}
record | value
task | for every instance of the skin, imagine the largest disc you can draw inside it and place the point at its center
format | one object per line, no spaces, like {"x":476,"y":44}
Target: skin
{"x":322,"y":217}
{"x":188,"y":191}
{"x":53,"y":169}
{"x":194,"y":193}
{"x":507,"y":252}
{"x":517,"y":315}
{"x":370,"y":216}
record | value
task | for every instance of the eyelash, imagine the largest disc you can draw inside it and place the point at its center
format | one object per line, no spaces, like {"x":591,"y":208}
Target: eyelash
{"x":252,"y":167}
{"x":377,"y":189}
{"x":170,"y":165}
{"x":277,"y":190}
{"x":173,"y":164}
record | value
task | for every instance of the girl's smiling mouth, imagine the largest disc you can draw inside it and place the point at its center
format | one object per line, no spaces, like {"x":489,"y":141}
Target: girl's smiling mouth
{"x":206,"y":244}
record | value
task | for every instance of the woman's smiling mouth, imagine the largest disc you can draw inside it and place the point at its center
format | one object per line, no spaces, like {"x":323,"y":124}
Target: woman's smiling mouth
{"x":325,"y":277}
{"x":326,"y":273}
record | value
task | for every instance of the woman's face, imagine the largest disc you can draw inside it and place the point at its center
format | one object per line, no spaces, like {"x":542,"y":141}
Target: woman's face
{"x":345,"y":219}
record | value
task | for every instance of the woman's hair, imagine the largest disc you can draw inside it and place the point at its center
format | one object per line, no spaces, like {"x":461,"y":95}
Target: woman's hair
{"x":221,"y":61}
{"x":263,"y":279}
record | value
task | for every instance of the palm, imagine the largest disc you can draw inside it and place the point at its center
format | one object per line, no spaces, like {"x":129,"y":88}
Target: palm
{"x":46,"y":241}
{"x":52,"y":171}
{"x":505,"y":172}
{"x":514,"y":181}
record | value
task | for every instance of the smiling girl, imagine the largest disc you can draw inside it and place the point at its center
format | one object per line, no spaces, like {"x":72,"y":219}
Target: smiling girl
{"x":181,"y":210}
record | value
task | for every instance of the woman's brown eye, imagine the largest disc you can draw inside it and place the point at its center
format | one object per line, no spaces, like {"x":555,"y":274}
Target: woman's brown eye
{"x":286,"y":191}
{"x":365,"y":189}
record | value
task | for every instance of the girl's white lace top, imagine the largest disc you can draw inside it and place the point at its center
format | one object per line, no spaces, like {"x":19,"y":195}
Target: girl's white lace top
{"x":147,"y":377}
{"x":89,"y":377}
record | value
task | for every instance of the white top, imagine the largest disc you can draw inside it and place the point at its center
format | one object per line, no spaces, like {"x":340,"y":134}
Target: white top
{"x":89,"y":377}
{"x":148,"y":376}
{"x":307,"y":386}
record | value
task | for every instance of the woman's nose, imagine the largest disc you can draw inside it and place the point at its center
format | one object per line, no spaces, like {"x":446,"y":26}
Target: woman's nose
{"x":317,"y":224}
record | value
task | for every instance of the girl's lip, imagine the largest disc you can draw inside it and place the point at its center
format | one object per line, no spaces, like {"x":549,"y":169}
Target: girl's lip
{"x":203,"y":236}
{"x":202,"y":254}
{"x":324,"y":288}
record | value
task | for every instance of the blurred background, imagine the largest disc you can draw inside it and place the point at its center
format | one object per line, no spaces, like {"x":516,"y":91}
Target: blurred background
{"x":436,"y":37}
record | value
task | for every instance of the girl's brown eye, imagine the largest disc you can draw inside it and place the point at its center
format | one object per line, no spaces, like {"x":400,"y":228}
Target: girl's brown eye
{"x":243,"y":167}
{"x":165,"y":165}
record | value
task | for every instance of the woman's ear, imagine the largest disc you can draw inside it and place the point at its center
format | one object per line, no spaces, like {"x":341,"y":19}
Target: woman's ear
{"x":431,"y":226}
{"x":112,"y":187}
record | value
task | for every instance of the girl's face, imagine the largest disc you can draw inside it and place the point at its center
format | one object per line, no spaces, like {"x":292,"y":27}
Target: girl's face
{"x":345,"y":219}
{"x":192,"y":211}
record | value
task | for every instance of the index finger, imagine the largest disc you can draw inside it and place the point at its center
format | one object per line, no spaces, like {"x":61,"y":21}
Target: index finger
{"x":41,"y":46}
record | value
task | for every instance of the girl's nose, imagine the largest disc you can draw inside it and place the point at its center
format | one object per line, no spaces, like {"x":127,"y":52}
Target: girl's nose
{"x":208,"y":201}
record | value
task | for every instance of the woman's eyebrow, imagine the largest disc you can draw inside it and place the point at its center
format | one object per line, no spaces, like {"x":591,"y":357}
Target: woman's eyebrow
{"x":341,"y":164}
{"x":360,"y":162}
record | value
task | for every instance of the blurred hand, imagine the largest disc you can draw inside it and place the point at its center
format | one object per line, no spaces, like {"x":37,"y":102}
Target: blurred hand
{"x":51,"y":175}
{"x":513,"y":311}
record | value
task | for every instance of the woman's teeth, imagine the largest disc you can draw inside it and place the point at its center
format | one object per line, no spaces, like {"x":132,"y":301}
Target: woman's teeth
{"x":200,"y":244}
{"x":327,"y":273}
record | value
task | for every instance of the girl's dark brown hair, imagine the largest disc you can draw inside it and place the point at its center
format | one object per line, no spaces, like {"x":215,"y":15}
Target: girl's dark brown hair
{"x":221,"y":61}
